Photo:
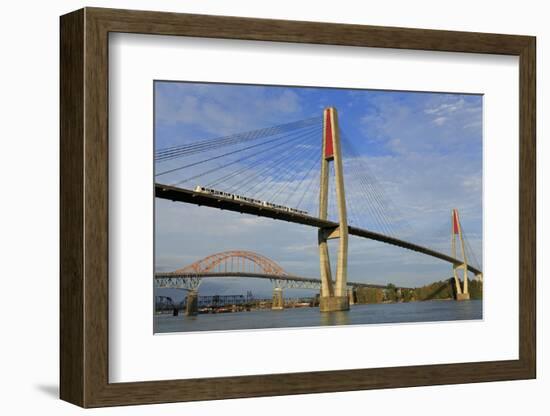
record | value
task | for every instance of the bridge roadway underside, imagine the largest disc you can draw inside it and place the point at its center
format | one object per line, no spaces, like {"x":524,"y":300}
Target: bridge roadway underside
{"x":198,"y":198}
{"x":288,"y":277}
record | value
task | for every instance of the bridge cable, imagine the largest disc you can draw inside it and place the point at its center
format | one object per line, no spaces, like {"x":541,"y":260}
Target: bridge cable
{"x":286,"y":156}
{"x":307,"y":173}
{"x":220,"y":156}
{"x":217,"y":168}
{"x":266,"y":157}
{"x":372,"y":204}
{"x":367,"y":194}
{"x":268,"y":180}
{"x":217,"y":157}
{"x":371,"y":190}
{"x":286,"y":175}
{"x":219,"y":140}
{"x":205,"y":145}
{"x":368,"y":203}
{"x":292,"y":175}
{"x":368,"y":180}
{"x":470,"y":252}
{"x":309,"y":189}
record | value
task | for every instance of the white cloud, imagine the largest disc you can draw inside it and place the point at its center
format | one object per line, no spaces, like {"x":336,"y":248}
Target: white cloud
{"x":195,"y":105}
{"x":439,"y":120}
{"x":472,"y":183}
{"x":456,"y":107}
{"x":446,"y":108}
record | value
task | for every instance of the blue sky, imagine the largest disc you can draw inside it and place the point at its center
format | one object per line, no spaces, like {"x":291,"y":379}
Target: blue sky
{"x":425,"y":150}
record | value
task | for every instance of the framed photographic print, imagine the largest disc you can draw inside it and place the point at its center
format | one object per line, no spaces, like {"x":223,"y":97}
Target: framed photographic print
{"x":324,"y":194}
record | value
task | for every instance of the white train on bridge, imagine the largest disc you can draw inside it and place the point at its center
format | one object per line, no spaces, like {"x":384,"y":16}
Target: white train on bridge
{"x":236,"y":197}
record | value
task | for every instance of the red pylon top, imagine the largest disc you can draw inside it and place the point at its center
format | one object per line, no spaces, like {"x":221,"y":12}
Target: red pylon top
{"x":455,"y":222}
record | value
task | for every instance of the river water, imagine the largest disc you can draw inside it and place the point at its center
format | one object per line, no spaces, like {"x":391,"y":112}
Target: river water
{"x":429,"y":311}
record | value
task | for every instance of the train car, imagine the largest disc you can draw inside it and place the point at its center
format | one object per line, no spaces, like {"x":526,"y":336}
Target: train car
{"x":215,"y":192}
{"x":242,"y":198}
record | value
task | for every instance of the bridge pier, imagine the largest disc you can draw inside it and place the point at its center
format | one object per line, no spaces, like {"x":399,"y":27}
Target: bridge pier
{"x":462,"y":296}
{"x":333,"y":303}
{"x":192,"y":304}
{"x":278,"y":300}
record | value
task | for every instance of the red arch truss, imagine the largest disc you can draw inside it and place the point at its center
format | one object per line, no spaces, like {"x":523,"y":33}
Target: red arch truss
{"x":236,"y":261}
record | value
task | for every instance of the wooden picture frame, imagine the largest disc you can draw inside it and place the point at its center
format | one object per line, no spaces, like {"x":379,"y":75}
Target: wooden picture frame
{"x":84,"y":207}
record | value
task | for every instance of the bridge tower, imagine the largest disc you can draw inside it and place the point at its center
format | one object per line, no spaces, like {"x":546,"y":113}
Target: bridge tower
{"x":334,"y":296}
{"x":456,"y":233}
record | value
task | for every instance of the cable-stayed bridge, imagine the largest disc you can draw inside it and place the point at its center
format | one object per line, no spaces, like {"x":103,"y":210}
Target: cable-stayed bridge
{"x":305,"y":172}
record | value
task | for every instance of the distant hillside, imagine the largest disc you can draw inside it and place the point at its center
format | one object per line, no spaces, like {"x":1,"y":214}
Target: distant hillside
{"x":434,"y":291}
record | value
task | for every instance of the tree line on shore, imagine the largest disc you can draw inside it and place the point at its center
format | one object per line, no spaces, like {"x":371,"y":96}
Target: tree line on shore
{"x":442,"y":290}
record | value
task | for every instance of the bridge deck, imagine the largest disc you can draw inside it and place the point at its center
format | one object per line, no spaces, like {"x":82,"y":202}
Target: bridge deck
{"x":198,"y":198}
{"x":161,"y":275}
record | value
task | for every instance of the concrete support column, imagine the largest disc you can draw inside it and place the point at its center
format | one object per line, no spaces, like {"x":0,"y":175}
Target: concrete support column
{"x":458,"y":287}
{"x":340,"y":288}
{"x":192,"y":304}
{"x":462,"y":292}
{"x":278,"y":300}
{"x":327,"y":288}
{"x":334,"y":297}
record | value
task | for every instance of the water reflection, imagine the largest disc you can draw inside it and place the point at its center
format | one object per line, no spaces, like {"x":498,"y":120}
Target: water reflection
{"x":335,"y":318}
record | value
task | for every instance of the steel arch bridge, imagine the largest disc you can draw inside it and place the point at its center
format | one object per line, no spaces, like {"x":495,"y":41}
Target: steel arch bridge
{"x":234,"y":261}
{"x":238,"y":263}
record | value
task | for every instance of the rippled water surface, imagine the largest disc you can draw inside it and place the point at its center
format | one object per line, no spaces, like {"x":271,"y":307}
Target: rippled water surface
{"x":430,"y":311}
